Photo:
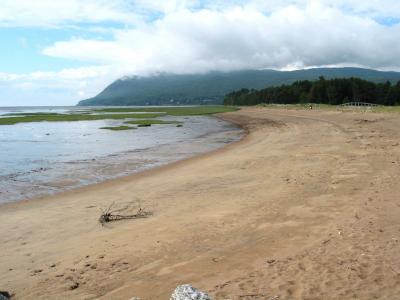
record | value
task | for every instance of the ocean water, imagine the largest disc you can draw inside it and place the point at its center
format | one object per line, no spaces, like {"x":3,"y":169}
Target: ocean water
{"x":43,"y":158}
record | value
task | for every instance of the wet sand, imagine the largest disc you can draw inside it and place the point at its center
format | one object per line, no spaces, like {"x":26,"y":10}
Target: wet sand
{"x":304,"y":207}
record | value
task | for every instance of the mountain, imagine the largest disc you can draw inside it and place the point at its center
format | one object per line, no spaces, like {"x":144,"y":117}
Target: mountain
{"x":210,"y":88}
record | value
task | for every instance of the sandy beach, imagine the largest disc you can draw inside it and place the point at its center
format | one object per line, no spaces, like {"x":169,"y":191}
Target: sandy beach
{"x":306,"y":206}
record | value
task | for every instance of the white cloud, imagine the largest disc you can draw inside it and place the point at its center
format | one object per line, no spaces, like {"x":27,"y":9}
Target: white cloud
{"x":55,"y":88}
{"x":186,"y":36}
{"x":187,"y":41}
{"x":46,"y":13}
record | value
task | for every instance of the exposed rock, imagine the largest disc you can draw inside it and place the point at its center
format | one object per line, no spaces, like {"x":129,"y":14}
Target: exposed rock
{"x":187,"y":292}
{"x":74,"y":285}
{"x":5,"y":295}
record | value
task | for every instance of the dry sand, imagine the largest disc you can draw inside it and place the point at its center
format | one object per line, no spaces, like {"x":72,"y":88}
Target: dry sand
{"x":306,"y":206}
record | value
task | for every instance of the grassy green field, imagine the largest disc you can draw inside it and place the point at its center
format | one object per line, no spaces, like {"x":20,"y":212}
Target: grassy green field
{"x":175,"y":111}
{"x":116,"y":113}
{"x":72,"y":117}
{"x":118,"y":128}
{"x":151,"y":122}
{"x":301,"y":106}
{"x":32,"y":114}
{"x":387,"y":109}
{"x":316,"y":106}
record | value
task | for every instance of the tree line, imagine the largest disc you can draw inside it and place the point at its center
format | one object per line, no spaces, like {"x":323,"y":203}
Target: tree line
{"x":333,"y":91}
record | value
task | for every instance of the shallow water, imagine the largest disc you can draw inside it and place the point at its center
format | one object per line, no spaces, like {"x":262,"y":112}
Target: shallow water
{"x":46,"y":157}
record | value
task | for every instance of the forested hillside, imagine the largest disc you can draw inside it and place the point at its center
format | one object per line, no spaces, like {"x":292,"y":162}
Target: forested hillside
{"x":328,"y":91}
{"x":210,"y":88}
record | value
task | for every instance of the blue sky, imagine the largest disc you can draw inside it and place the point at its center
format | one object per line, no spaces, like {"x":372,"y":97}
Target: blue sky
{"x":59,"y":52}
{"x":21,"y":49}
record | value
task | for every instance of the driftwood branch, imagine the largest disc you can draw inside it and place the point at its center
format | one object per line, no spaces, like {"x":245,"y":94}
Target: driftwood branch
{"x":110,"y":215}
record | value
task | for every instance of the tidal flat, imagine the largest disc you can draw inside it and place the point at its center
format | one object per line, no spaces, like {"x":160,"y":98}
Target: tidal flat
{"x":67,"y":148}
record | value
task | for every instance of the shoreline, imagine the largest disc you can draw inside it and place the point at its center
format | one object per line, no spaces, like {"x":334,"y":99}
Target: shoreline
{"x":303,"y":206}
{"x":115,"y":178}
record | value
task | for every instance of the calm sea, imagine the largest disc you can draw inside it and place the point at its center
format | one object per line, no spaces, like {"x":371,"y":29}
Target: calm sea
{"x":43,"y":158}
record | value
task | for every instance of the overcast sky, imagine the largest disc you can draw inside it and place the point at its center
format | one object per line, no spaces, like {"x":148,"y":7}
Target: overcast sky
{"x":56,"y":52}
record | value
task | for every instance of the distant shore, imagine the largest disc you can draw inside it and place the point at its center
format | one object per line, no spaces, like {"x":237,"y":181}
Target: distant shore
{"x":304,"y":206}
